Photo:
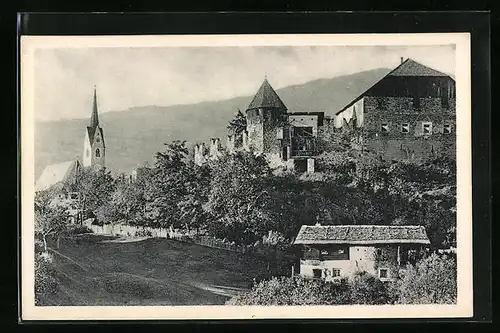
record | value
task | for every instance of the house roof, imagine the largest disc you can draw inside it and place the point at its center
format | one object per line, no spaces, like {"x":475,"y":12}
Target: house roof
{"x":409,"y":67}
{"x":361,"y":234}
{"x":55,"y":174}
{"x":266,"y":97}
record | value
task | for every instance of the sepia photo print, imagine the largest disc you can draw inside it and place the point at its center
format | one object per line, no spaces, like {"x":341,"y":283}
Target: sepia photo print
{"x":259,"y":176}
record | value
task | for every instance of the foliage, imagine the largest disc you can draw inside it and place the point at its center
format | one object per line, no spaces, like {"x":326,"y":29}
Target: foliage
{"x":238,"y":199}
{"x":45,"y":281}
{"x":95,"y":188}
{"x":432,"y":280}
{"x":51,"y":215}
{"x":238,"y":124}
{"x":170,"y":176}
{"x":368,"y":289}
{"x":363,"y":289}
{"x":293,"y":291}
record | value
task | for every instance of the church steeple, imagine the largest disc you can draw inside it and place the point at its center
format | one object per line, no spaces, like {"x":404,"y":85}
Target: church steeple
{"x":94,"y":119}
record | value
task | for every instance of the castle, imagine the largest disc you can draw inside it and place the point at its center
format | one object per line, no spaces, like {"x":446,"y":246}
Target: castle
{"x":284,"y":138}
{"x":407,"y":114}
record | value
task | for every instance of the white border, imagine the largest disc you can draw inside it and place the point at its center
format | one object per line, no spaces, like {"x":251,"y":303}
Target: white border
{"x":463,"y":308}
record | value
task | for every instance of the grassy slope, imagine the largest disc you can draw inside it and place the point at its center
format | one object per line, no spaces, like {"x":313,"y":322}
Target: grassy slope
{"x":148,"y":272}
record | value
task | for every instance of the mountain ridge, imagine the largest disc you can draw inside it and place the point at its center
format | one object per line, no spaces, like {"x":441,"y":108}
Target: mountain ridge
{"x":129,"y":145}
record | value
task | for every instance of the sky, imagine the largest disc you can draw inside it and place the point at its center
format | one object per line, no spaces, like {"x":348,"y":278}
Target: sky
{"x":139,"y":76}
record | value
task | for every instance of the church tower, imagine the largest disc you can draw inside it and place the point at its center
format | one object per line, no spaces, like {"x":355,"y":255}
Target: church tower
{"x":94,"y":149}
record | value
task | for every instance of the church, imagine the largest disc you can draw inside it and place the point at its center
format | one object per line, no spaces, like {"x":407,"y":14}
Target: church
{"x":94,"y":156}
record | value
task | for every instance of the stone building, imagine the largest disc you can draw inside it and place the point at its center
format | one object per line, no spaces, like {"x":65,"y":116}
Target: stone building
{"x":94,"y":149}
{"x":408,"y":114}
{"x":337,"y":251}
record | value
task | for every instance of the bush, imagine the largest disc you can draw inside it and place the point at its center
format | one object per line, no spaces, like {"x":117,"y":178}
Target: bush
{"x":45,"y":281}
{"x":143,"y":233}
{"x":368,"y":289}
{"x":293,"y":291}
{"x":432,"y":281}
{"x":78,"y":230}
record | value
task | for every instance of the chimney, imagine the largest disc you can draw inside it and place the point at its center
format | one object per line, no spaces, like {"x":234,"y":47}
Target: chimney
{"x":402,"y":60}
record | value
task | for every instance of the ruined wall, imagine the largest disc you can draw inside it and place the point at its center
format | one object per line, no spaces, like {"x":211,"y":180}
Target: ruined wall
{"x":387,"y":257}
{"x":394,"y":112}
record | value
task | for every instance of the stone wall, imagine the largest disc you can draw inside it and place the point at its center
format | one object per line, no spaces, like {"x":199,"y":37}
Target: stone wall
{"x":396,"y":144}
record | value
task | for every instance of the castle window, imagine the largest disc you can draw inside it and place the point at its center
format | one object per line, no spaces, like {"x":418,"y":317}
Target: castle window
{"x":383,"y":273}
{"x":97,"y":153}
{"x":279,"y":133}
{"x":97,"y":139}
{"x":405,"y":128}
{"x":447,"y":129}
{"x":416,"y":102}
{"x":427,"y":127}
{"x":384,"y":127}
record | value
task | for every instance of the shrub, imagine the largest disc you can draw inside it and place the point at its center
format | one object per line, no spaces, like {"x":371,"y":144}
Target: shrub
{"x":143,"y":233}
{"x":45,"y":281}
{"x":294,"y":291}
{"x":78,"y":230}
{"x":368,"y":289}
{"x":432,"y":280}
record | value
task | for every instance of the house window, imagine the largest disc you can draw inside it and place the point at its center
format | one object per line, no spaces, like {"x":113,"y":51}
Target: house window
{"x":383,"y":273}
{"x":379,"y":252}
{"x":335,"y":272}
{"x":97,"y":153}
{"x":317,"y":273}
{"x":405,"y":128}
{"x":97,"y":139}
{"x":427,"y":127}
{"x":384,"y":127}
{"x":447,"y":129}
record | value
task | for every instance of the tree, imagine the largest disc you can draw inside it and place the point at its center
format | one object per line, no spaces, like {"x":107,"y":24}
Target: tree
{"x":191,"y":204}
{"x":95,"y":188}
{"x":168,"y":186}
{"x":238,"y":124}
{"x":239,"y":199}
{"x":51,"y":216}
{"x":432,"y":280}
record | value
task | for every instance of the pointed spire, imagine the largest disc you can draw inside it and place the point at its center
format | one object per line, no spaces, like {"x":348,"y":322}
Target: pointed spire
{"x":266,"y":97}
{"x":94,"y":119}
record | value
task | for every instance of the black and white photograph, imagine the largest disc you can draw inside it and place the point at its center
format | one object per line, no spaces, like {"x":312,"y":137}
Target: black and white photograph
{"x":259,"y":176}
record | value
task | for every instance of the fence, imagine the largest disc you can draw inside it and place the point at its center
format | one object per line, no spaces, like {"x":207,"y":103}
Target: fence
{"x":170,"y":233}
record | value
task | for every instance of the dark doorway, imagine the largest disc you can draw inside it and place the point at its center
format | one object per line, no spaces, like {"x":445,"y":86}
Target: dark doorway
{"x":300,"y":166}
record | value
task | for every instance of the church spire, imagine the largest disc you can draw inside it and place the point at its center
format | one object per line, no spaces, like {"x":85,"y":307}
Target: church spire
{"x":94,"y":119}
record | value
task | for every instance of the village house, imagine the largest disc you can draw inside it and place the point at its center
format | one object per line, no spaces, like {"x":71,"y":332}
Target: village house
{"x":337,"y":251}
{"x":408,"y":114}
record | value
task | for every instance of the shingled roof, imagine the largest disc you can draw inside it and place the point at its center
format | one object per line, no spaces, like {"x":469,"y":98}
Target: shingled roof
{"x":410,"y":67}
{"x":361,"y":234}
{"x":266,"y":97}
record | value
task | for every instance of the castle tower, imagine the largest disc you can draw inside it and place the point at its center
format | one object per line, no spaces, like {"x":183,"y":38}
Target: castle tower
{"x":94,"y":149}
{"x":265,"y":116}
